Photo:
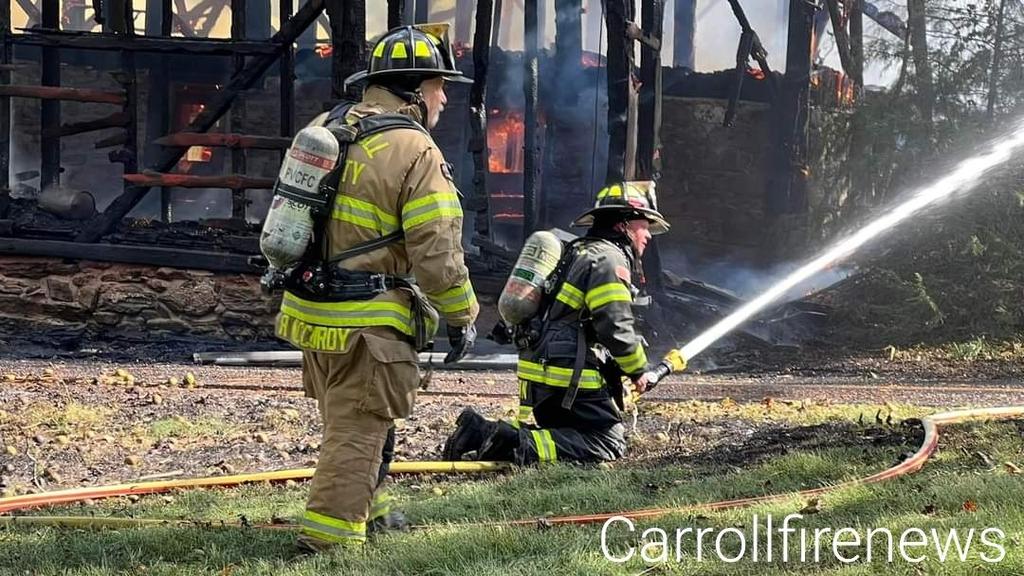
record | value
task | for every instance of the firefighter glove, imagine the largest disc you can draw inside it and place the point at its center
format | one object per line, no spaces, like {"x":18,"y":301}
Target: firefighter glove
{"x":461,"y":339}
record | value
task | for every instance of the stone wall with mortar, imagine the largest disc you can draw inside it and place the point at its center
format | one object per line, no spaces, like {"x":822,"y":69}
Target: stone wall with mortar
{"x":70,"y":303}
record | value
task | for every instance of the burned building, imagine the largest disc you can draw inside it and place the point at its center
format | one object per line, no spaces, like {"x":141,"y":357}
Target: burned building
{"x":141,"y":142}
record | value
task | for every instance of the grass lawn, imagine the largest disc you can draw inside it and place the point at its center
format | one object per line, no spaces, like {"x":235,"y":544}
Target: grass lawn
{"x":968,"y":484}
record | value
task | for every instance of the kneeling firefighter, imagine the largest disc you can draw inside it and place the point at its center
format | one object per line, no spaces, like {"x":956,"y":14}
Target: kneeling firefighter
{"x":578,"y":346}
{"x":377,"y":198}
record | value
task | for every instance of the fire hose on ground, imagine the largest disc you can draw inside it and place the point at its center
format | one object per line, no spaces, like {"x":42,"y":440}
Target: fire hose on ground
{"x":932,"y":424}
{"x":964,"y":177}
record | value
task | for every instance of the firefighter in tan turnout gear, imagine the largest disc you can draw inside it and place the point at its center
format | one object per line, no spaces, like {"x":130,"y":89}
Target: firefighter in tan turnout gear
{"x":578,"y":347}
{"x":367,"y":294}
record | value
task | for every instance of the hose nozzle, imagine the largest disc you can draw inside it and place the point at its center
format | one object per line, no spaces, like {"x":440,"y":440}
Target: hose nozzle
{"x":673,"y":362}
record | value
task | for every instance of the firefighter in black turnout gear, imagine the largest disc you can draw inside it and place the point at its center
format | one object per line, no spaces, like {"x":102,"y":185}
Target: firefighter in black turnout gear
{"x":585,"y":343}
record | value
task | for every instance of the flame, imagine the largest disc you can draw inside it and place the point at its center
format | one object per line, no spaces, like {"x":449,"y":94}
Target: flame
{"x":324,"y":50}
{"x":505,"y":142}
{"x":195,"y":154}
{"x":590,"y":60}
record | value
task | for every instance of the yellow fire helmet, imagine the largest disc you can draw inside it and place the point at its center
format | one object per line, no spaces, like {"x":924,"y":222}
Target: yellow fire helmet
{"x":419,"y":50}
{"x":636,"y":197}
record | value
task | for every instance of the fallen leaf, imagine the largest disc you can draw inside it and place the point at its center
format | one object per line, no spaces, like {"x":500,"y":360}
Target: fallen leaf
{"x":970,"y":506}
{"x":11,"y":451}
{"x":437,"y":491}
{"x":172,"y":381}
{"x":811,"y":507}
{"x":190,"y":379}
{"x":157,"y":399}
{"x":1012,"y":468}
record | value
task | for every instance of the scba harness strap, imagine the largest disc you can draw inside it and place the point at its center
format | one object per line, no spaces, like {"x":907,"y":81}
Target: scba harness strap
{"x":322,"y":278}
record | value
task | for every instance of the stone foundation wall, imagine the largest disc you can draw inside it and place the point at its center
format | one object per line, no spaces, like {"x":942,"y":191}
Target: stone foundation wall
{"x":82,"y":301}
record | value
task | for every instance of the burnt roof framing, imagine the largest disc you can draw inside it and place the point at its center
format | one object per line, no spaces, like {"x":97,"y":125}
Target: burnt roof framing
{"x":52,"y":40}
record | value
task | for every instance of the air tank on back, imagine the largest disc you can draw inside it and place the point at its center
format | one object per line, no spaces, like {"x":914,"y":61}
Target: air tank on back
{"x":298,"y":196}
{"x":520,"y":299}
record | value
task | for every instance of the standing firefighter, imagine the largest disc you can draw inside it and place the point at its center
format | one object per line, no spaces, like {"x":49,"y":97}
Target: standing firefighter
{"x":576,"y":350}
{"x":365,"y":297}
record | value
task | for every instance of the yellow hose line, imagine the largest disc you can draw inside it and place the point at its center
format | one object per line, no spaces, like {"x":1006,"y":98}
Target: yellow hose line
{"x":94,"y":522}
{"x":932,"y":424}
{"x":77,"y":494}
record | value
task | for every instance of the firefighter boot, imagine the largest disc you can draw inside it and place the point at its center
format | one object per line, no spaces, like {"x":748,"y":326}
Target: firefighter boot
{"x":500,"y":445}
{"x":470,"y":431}
{"x":383,"y":518}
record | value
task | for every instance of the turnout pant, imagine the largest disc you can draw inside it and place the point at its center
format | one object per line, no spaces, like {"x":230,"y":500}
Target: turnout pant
{"x":591,"y":431}
{"x":359,"y":394}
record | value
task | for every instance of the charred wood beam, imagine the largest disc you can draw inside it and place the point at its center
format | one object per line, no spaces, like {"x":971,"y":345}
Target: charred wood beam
{"x":128,"y":254}
{"x":49,"y":147}
{"x":230,"y":181}
{"x":58,"y":93}
{"x":649,"y":126}
{"x":97,"y":41}
{"x":348,"y":38}
{"x":530,"y":63}
{"x":787,"y":189}
{"x":396,"y":13}
{"x":115,"y":120}
{"x":129,"y":156}
{"x":620,"y":66}
{"x":238,"y":33}
{"x":179,"y":139}
{"x":842,"y":38}
{"x":29,"y":7}
{"x":5,"y":102}
{"x":478,"y":114}
{"x":683,"y":28}
{"x":857,"y":42}
{"x":179,"y":19}
{"x":287,"y":74}
{"x":750,"y":47}
{"x":158,"y":113}
{"x":634,"y":32}
{"x":284,"y":38}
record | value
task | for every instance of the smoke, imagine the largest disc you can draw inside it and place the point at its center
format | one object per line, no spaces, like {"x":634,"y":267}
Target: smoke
{"x":747,"y":282}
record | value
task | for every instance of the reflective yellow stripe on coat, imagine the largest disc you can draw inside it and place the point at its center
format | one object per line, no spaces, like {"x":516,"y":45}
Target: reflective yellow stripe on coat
{"x":559,"y":377}
{"x":454,"y":300}
{"x":326,"y":326}
{"x":430,"y":207}
{"x":634,"y":361}
{"x":607,"y":293}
